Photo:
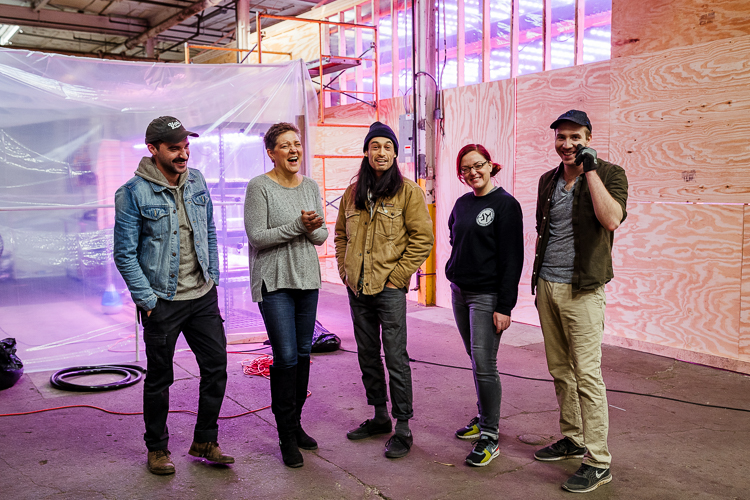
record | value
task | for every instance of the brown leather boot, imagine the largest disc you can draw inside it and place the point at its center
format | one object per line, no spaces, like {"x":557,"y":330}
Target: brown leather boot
{"x":211,"y":452}
{"x":159,"y":462}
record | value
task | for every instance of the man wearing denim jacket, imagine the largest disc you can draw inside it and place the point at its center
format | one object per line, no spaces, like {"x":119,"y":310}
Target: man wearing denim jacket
{"x":165,"y":249}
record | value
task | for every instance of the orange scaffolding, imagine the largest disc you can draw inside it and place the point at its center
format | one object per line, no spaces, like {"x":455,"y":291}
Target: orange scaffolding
{"x":328,"y":63}
{"x":189,"y":46}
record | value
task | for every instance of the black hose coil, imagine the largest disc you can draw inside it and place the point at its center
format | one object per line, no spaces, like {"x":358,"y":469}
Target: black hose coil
{"x":131,"y":375}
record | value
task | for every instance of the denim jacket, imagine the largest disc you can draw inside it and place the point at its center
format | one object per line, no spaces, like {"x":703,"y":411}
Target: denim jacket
{"x":147,"y":236}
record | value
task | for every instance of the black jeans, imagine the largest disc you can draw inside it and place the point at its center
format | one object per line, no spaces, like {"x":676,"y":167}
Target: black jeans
{"x":201,"y":323}
{"x":386,"y":309}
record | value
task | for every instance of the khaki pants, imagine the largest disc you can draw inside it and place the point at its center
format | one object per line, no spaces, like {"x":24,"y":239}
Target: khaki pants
{"x":573,"y":325}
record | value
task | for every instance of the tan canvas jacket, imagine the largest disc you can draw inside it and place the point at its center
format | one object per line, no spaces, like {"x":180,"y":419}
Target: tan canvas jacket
{"x":392,"y":245}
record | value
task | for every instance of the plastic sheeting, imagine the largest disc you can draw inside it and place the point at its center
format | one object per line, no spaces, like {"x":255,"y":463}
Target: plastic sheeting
{"x":71,"y":133}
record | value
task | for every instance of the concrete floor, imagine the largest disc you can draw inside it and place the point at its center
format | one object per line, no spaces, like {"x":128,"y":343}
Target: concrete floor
{"x":661,"y":449}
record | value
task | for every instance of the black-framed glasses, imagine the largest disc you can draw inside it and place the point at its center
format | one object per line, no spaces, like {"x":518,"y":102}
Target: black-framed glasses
{"x":476,"y":167}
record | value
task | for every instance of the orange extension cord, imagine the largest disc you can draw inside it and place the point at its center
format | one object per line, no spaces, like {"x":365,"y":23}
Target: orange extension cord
{"x":258,"y":366}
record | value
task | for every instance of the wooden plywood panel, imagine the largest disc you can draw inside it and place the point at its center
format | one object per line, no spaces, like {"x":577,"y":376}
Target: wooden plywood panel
{"x":744,"y":336}
{"x":681,"y":120}
{"x":647,"y":27}
{"x":542,"y":97}
{"x":339,"y":140}
{"x":302,"y":41}
{"x":350,"y":113}
{"x":677,"y":277}
{"x":475,"y":114}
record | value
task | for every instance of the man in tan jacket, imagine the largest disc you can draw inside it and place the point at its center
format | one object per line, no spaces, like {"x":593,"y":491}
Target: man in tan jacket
{"x":383,"y":235}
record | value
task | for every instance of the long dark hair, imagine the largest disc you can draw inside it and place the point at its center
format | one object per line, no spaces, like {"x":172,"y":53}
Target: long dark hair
{"x":385,"y":187}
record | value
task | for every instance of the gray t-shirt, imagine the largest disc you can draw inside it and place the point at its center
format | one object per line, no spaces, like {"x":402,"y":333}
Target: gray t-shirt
{"x":558,"y":258}
{"x":282,"y":252}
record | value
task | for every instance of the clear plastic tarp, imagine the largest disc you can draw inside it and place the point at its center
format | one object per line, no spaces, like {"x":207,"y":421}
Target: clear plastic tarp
{"x":71,"y":132}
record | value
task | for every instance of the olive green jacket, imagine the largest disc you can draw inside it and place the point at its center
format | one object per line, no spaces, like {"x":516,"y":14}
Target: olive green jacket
{"x":592,"y":265}
{"x":389,"y":246}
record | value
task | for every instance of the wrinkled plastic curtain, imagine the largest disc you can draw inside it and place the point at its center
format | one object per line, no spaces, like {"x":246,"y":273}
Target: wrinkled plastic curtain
{"x":71,"y":132}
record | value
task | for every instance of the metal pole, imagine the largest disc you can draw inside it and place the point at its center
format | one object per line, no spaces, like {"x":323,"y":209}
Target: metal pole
{"x":242,"y":8}
{"x":257,"y":30}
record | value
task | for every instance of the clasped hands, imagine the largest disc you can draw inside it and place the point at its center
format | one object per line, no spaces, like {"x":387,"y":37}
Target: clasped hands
{"x":311,"y":220}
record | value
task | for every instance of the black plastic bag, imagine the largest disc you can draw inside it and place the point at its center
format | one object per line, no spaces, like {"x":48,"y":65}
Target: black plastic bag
{"x":11,"y":367}
{"x":323,"y":340}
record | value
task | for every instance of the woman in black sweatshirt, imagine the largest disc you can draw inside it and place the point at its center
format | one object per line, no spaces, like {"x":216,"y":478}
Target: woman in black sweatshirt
{"x":486,"y":236}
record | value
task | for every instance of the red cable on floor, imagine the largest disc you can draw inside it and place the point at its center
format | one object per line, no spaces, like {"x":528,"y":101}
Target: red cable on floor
{"x":124,"y":413}
{"x":258,"y":366}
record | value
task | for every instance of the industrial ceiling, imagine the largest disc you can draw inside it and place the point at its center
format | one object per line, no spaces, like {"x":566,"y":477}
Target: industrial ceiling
{"x":130,"y":29}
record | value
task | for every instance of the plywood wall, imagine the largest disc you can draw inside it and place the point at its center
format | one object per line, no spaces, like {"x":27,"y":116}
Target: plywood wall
{"x":678,"y":122}
{"x":647,"y":27}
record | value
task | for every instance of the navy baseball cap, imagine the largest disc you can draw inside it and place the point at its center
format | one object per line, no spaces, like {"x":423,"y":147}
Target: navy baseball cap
{"x":575,"y":116}
{"x":168,"y":129}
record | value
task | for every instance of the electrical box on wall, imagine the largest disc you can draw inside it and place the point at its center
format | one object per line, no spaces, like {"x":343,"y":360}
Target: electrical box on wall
{"x":406,"y":138}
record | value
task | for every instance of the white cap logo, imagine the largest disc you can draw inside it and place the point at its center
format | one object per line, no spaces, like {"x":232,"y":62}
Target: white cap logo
{"x":174,"y":125}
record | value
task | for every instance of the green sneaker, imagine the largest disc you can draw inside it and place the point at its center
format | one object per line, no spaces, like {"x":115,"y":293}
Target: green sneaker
{"x":471,"y":431}
{"x":484,"y":451}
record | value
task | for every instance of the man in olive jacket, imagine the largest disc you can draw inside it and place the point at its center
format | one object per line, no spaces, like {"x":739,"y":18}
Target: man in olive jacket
{"x":580,"y":204}
{"x":383,"y":235}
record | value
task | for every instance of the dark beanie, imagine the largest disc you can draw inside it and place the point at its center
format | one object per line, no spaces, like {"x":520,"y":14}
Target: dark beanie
{"x":378,"y":129}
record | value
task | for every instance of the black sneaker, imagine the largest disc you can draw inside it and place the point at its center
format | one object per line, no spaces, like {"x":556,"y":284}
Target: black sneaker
{"x":398,"y":446}
{"x":560,"y":451}
{"x":369,"y":428}
{"x":484,"y":451}
{"x":587,"y":478}
{"x":471,"y":431}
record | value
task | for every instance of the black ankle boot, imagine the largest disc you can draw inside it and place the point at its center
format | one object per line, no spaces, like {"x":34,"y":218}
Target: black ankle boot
{"x":283,"y":405}
{"x":304,"y":441}
{"x":290,"y":451}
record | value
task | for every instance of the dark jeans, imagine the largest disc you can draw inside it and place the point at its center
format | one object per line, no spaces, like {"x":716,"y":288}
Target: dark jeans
{"x":289,"y":316}
{"x":200,"y":322}
{"x":473,"y":313}
{"x":370,"y":313}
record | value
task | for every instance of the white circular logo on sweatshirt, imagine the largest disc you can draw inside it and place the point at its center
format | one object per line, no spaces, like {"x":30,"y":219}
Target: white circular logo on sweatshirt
{"x":486,"y":217}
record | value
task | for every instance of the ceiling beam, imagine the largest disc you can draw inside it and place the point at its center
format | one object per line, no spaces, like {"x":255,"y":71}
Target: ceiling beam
{"x":72,"y":21}
{"x":176,"y":19}
{"x":94,"y":55}
{"x":38,"y":4}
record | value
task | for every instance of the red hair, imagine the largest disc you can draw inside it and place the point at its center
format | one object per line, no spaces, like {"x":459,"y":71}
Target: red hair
{"x":482,"y":151}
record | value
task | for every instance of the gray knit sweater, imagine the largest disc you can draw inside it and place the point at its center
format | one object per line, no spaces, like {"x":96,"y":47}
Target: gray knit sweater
{"x":282,"y":252}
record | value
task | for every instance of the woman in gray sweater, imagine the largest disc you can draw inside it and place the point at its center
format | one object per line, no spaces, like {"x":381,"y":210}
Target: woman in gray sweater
{"x":283,"y":223}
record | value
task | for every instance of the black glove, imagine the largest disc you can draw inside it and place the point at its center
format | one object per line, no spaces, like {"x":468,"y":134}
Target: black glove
{"x":587,"y":156}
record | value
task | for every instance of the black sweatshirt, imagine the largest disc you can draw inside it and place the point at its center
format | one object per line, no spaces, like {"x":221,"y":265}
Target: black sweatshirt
{"x":486,"y":233}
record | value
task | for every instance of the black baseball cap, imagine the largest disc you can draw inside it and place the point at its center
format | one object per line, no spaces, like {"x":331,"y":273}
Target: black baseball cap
{"x":575,"y":116}
{"x":167,"y":129}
